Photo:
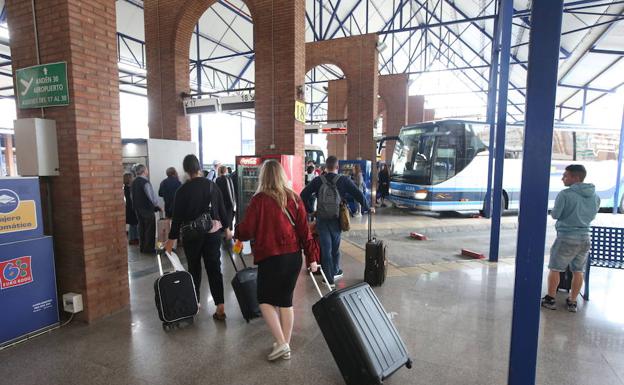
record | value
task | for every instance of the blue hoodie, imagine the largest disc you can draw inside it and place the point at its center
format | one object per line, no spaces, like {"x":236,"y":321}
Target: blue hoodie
{"x":575,"y":208}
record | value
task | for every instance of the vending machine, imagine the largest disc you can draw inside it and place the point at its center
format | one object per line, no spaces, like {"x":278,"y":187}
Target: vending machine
{"x":345,"y":167}
{"x":248,"y":172}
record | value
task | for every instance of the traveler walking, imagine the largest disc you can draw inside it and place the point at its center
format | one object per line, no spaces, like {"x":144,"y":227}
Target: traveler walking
{"x":199,"y":202}
{"x":328,"y":190}
{"x":276,"y":220}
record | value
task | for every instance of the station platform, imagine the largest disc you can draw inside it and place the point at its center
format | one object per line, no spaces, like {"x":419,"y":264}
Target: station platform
{"x":454,"y":316}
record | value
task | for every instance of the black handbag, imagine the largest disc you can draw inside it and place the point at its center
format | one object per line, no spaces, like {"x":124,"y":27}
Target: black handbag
{"x":196,"y":228}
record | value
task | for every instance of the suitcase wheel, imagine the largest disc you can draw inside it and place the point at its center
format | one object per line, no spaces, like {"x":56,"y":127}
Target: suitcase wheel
{"x":408,"y":364}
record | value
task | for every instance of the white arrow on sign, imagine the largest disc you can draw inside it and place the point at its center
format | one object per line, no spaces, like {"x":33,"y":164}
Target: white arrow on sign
{"x":45,"y":71}
{"x":26,"y":85}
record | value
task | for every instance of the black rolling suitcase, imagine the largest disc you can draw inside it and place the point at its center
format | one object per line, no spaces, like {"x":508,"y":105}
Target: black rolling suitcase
{"x":245,"y":285}
{"x":376,"y":262}
{"x":363,"y":340}
{"x":565,"y":280}
{"x":175,"y":297}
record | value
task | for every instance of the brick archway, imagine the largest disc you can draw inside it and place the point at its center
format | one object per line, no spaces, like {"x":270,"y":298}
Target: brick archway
{"x":357,"y":58}
{"x":279,"y":43}
{"x":336,"y":110}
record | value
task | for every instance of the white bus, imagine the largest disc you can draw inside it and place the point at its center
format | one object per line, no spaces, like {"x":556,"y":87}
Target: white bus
{"x":443,"y":165}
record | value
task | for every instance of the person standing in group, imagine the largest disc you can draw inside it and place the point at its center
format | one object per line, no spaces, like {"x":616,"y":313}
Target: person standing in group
{"x":358,"y":180}
{"x":310,"y":174}
{"x":214,"y":172}
{"x":228,"y":193}
{"x":276,"y":220}
{"x":328,"y":190}
{"x":383,"y":183}
{"x":575,"y":208}
{"x":131,"y":218}
{"x":145,"y":205}
{"x":168,"y":188}
{"x":193,"y":199}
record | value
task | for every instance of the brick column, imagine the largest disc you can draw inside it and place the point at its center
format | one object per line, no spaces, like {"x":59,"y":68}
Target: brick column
{"x":279,"y":44}
{"x":393,"y":91}
{"x":336,"y":110}
{"x":416,"y":109}
{"x":429,"y":114}
{"x":87,"y":199}
{"x":356,"y":56}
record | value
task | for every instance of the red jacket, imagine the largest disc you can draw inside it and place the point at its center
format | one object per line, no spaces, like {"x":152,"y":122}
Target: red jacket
{"x":272,"y":232}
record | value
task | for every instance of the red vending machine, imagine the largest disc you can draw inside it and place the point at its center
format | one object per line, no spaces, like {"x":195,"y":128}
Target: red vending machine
{"x":248,"y":171}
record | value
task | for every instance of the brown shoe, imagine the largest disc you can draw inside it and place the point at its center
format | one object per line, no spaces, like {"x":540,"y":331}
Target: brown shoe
{"x":219,"y":316}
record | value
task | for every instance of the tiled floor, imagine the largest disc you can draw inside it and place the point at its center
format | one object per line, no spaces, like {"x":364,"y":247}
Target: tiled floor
{"x":456,"y":324}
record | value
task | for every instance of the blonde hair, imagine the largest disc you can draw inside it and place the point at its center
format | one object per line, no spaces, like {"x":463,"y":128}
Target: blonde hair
{"x":273,"y":182}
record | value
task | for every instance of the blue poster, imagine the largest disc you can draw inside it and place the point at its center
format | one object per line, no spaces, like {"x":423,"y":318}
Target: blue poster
{"x":28,"y":301}
{"x":20,"y":209}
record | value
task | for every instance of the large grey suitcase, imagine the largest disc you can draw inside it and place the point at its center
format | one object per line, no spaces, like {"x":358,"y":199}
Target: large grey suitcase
{"x":363,"y":340}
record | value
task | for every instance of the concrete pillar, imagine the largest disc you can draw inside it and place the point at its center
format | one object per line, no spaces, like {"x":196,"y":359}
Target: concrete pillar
{"x":393,"y":91}
{"x":357,"y":58}
{"x":8,"y":155}
{"x":336,"y":110}
{"x":416,"y":109}
{"x":279,"y":41}
{"x":87,"y":199}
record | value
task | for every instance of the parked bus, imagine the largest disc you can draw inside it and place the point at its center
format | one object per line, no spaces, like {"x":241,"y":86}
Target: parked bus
{"x":314,"y":153}
{"x":443,"y":165}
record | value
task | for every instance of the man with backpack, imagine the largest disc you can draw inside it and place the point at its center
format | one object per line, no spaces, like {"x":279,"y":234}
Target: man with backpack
{"x":327,"y":190}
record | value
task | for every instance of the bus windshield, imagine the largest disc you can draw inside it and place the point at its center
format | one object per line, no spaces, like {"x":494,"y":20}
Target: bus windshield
{"x":433,"y":153}
{"x":412,"y":155}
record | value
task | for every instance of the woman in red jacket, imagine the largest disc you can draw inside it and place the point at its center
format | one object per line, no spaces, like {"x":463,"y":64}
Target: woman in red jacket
{"x":276,"y":221}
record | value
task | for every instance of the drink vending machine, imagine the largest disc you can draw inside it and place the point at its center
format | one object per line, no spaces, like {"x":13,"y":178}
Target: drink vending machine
{"x":248,"y":172}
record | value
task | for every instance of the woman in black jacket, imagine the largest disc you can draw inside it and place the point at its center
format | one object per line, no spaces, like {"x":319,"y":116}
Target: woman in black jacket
{"x":194,"y":198}
{"x":131,"y":219}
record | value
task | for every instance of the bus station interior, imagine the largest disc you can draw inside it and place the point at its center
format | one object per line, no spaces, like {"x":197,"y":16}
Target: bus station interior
{"x":359,"y":67}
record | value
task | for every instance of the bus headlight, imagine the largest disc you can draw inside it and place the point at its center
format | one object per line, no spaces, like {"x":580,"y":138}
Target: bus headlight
{"x":421,"y":194}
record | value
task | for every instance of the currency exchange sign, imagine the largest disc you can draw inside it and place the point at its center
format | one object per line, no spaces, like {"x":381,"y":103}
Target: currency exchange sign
{"x":42,"y":86}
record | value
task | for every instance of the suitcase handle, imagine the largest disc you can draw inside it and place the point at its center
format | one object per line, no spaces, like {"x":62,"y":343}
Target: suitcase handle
{"x":159,"y":262}
{"x":229,"y":252}
{"x":318,"y":289}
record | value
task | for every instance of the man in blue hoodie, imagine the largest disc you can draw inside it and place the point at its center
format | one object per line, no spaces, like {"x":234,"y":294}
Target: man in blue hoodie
{"x":575,"y":208}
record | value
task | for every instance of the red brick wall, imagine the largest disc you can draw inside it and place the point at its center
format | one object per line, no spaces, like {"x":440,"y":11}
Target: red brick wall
{"x":87,"y":199}
{"x":429,"y":114}
{"x":357,"y":58}
{"x":336,"y":110}
{"x":279,"y":44}
{"x":416,"y":109}
{"x":393,"y":91}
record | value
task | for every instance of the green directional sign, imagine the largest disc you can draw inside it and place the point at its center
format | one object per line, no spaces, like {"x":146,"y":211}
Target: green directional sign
{"x":42,"y":86}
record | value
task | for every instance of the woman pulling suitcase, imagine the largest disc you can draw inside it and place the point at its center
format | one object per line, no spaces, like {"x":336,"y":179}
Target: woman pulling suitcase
{"x":277,"y":222}
{"x":198,"y":212}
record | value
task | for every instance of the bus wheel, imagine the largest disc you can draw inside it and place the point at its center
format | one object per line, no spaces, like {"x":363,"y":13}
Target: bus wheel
{"x":621,"y":206}
{"x":503,"y":205}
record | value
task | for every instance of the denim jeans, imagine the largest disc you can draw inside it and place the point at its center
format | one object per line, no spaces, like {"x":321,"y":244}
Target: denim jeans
{"x":133,"y":232}
{"x":329,"y":234}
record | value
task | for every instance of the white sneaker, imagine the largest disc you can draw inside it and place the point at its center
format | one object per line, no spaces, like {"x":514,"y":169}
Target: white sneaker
{"x":285,"y":356}
{"x":278,"y":351}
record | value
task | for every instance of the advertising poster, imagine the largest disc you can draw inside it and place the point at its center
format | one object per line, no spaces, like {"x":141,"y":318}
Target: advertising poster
{"x":28,"y":301}
{"x":20,"y":209}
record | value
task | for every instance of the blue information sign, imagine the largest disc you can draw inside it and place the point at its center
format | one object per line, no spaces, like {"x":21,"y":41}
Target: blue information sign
{"x":28,"y":301}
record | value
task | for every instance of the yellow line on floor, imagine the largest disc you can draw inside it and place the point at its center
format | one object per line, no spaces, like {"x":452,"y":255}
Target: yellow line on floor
{"x":357,"y":252}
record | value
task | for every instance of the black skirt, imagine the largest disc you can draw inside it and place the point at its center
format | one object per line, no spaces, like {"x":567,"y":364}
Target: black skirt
{"x":277,"y":277}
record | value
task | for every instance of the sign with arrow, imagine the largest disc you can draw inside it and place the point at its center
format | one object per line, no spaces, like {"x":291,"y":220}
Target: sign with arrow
{"x":42,"y":86}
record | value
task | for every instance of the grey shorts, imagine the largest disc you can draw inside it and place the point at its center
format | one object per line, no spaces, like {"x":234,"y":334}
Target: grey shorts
{"x":569,"y":251}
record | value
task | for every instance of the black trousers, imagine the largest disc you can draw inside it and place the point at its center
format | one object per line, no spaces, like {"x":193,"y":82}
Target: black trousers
{"x":207,"y":248}
{"x":147,"y":232}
